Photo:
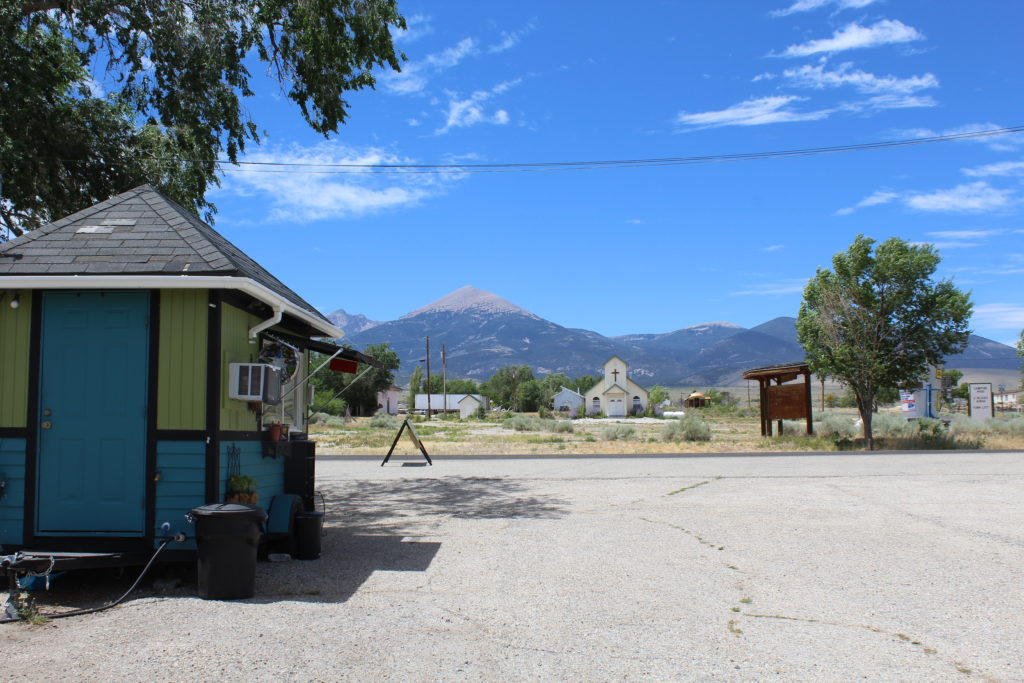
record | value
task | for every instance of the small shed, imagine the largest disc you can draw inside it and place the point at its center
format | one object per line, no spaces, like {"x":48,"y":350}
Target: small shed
{"x":567,"y":401}
{"x":388,"y":400}
{"x":697,"y":400}
{"x":469,"y":404}
{"x":141,"y":350}
{"x":781,"y":401}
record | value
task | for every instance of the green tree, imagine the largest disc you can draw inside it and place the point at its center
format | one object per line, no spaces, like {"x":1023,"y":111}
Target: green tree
{"x":503,"y":386}
{"x":415,"y":383}
{"x":361,"y":394}
{"x":879,"y":320}
{"x":531,"y":396}
{"x":454,"y":386}
{"x":179,"y":73}
{"x":584,"y":383}
{"x":657,"y":394}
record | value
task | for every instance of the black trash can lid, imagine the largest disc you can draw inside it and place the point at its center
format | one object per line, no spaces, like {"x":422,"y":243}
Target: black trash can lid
{"x":239,"y":509}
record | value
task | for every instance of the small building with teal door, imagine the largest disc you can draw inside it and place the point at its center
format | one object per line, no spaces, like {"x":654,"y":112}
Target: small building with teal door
{"x":122,"y":327}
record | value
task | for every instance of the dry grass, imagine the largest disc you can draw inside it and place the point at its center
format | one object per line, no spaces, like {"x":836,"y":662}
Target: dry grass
{"x":729,"y":434}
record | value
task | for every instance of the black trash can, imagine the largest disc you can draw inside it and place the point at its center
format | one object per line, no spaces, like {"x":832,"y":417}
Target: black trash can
{"x":227,"y":537}
{"x":309,"y":528}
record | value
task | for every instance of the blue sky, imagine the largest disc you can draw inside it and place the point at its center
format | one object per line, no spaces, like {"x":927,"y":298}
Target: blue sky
{"x":657,"y":248}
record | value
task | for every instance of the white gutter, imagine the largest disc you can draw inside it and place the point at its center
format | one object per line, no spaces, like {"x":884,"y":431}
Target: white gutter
{"x":279,"y":304}
{"x":269,"y":322}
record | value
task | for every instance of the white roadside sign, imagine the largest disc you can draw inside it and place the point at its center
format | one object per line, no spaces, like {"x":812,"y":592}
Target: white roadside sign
{"x":980,"y":406}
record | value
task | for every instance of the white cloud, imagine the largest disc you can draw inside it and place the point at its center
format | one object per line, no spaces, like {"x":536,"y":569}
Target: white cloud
{"x":964,"y":234}
{"x":879,"y":197}
{"x":773,"y":288}
{"x":808,"y":5}
{"x":510,"y":39}
{"x":854,"y":36}
{"x":819,"y":78}
{"x":305,"y":194}
{"x":418,"y":25}
{"x":774,"y":247}
{"x":999,"y":316}
{"x":754,"y":112}
{"x":1004,"y":168}
{"x":471,"y":111}
{"x":1006,"y":142}
{"x":634,"y":221}
{"x":975,"y":197}
{"x":414,"y":75}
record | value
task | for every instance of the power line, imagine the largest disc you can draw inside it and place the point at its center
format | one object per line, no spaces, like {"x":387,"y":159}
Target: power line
{"x":298,"y":167}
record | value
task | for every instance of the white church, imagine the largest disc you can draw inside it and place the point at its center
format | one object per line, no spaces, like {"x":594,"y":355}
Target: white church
{"x":616,"y":395}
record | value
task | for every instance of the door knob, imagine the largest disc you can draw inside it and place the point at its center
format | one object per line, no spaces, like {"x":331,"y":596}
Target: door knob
{"x":46,"y":425}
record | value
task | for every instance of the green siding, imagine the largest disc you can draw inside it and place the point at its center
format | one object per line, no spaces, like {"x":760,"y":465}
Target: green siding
{"x":14,"y":343}
{"x":236,"y":348}
{"x":182,"y":369}
{"x":12,"y":505}
{"x":182,"y":468}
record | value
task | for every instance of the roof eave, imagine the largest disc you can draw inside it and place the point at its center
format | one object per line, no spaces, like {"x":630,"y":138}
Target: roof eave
{"x":243,"y":284}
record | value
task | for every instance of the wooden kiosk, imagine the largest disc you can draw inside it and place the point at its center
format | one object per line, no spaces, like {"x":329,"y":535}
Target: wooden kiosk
{"x":783,"y":402}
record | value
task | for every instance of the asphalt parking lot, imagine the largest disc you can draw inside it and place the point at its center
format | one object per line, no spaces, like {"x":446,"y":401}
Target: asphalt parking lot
{"x":775,"y":567}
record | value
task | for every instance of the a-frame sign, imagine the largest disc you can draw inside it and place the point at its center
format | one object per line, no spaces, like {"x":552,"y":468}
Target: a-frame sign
{"x":415,"y":439}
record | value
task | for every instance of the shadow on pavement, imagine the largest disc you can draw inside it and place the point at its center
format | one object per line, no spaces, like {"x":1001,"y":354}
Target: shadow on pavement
{"x":405,"y":505}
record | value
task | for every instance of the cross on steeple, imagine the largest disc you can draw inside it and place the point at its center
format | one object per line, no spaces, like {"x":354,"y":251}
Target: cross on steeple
{"x":616,"y":373}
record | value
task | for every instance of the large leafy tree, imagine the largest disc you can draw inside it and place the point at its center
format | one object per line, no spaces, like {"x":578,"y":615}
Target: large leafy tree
{"x":503,"y":386}
{"x":179,"y":71}
{"x":878,"y":319}
{"x":360,"y":392}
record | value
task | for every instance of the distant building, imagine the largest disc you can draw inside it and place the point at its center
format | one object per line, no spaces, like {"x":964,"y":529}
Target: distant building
{"x":387,"y":400}
{"x":470,"y":404}
{"x":697,"y":400}
{"x":567,"y":401}
{"x":438,"y":405}
{"x":1006,"y":400}
{"x":616,"y":395}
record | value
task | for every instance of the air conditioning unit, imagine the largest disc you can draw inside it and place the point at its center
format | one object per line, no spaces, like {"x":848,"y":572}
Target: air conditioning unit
{"x":254,"y":382}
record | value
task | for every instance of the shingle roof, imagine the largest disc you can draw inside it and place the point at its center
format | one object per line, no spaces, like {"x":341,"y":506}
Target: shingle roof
{"x":138,"y":232}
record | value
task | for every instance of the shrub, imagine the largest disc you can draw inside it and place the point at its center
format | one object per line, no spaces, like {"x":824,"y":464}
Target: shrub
{"x":618,"y":433}
{"x":385,"y":421}
{"x":524,"y":423}
{"x":563,"y":426}
{"x":891,"y":425}
{"x":686,"y":428}
{"x":831,"y":424}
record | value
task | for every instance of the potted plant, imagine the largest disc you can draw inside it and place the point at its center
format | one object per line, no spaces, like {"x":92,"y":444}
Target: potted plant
{"x":242,"y":489}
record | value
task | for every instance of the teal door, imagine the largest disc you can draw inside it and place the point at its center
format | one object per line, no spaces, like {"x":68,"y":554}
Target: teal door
{"x":91,"y":465}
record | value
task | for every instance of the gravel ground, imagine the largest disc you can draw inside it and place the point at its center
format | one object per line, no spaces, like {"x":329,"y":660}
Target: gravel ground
{"x":902,"y":567}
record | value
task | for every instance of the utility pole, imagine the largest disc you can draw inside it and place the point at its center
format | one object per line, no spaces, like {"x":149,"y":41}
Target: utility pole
{"x":444,"y":379}
{"x":429,"y":413}
{"x":822,"y":378}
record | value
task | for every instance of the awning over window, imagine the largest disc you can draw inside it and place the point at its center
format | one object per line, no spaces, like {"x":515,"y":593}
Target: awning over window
{"x":325,"y":347}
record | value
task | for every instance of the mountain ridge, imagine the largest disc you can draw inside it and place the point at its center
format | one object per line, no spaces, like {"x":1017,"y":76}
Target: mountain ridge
{"x":483,"y":332}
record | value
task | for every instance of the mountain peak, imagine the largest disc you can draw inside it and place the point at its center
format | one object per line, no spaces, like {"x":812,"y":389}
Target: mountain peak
{"x":714,"y":323}
{"x":470,"y":299}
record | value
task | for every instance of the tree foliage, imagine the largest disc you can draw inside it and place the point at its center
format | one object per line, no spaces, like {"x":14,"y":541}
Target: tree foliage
{"x":656,"y":394}
{"x":503,"y":386}
{"x":361,"y":394}
{"x":878,"y":319}
{"x":179,"y":72}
